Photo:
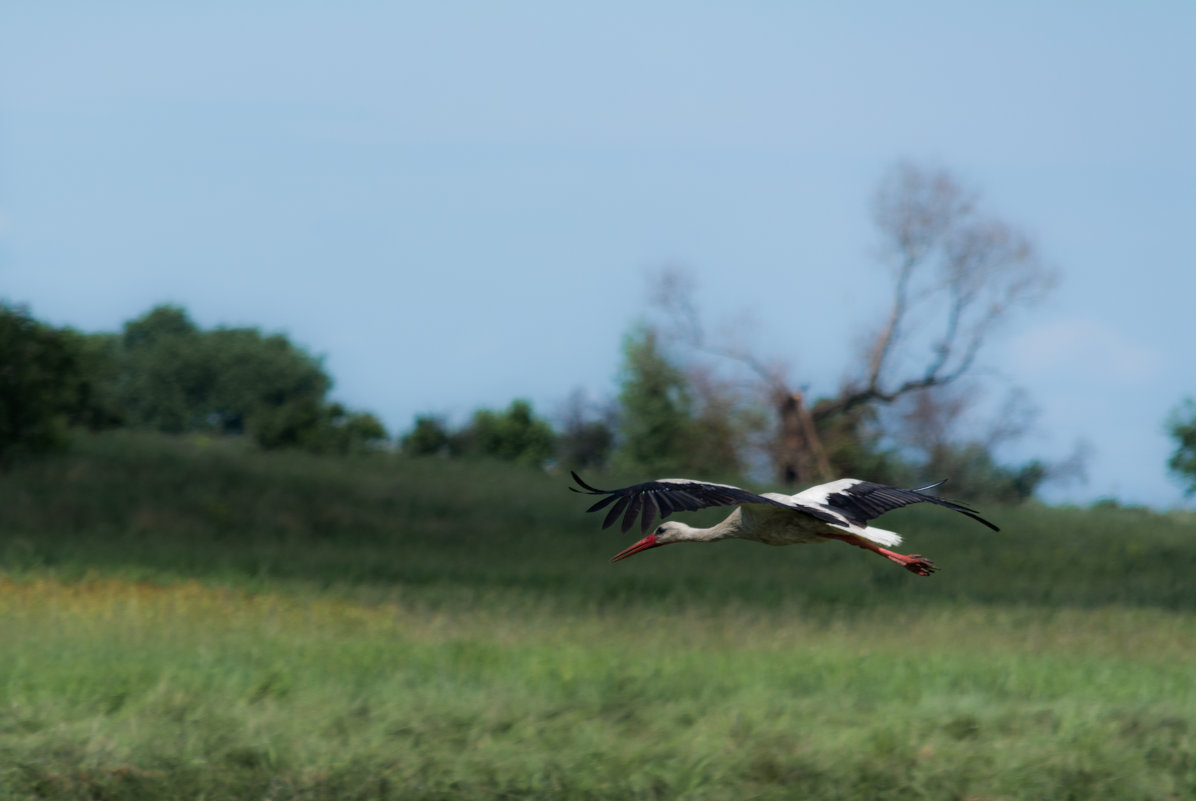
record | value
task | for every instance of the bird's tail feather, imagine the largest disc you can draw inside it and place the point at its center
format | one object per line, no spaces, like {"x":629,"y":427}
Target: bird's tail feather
{"x":883,"y":537}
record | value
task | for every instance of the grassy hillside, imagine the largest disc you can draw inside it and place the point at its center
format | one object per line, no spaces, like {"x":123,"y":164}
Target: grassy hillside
{"x":189,"y":619}
{"x":154,"y":507}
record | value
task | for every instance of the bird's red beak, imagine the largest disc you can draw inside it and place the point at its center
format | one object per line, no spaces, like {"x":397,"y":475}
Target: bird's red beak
{"x":643,"y":545}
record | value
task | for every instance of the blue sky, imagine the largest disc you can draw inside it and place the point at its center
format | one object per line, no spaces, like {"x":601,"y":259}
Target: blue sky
{"x":456,"y":203}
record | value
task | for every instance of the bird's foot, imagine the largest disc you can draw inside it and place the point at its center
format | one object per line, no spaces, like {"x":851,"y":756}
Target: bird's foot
{"x":916,"y":563}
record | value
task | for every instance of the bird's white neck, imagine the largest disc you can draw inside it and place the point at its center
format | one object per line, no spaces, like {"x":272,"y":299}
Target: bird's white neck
{"x":731,"y":528}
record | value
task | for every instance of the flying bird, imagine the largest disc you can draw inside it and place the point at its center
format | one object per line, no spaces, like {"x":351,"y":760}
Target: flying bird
{"x":839,"y":510}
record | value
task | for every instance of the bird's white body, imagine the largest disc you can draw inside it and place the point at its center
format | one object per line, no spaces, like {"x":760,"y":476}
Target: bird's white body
{"x":771,"y":525}
{"x":778,"y":525}
{"x":839,"y":510}
{"x":820,"y":494}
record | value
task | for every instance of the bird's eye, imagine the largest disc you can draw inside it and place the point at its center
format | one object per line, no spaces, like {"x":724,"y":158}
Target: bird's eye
{"x":659,"y":530}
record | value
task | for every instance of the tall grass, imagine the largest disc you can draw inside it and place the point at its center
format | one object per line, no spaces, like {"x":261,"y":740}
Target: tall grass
{"x":114,"y":689}
{"x":188,"y":619}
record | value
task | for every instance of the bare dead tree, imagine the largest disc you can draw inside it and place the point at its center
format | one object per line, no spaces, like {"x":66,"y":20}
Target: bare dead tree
{"x":932,"y":420}
{"x":957,"y":274}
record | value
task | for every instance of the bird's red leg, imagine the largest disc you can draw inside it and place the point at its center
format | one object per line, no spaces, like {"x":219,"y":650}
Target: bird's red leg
{"x":914,"y":563}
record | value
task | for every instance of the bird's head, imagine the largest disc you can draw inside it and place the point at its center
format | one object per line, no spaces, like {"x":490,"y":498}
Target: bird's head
{"x":665,"y":534}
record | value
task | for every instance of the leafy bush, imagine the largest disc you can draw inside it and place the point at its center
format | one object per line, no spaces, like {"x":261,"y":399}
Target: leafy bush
{"x":429,"y":437}
{"x":514,"y":435}
{"x":1182,"y":426}
{"x":42,"y":387}
{"x":165,"y":373}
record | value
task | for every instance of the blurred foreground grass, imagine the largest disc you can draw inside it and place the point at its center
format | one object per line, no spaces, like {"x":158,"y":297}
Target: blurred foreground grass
{"x":187,"y":620}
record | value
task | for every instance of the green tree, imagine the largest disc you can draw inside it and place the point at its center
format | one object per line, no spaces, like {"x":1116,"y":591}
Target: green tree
{"x":99,"y":374}
{"x":655,"y":408}
{"x":162,"y":378}
{"x":429,"y":437}
{"x":309,"y":424}
{"x":41,"y":390}
{"x":1181,"y":425}
{"x":175,"y":377}
{"x":353,"y":432}
{"x":973,"y":472}
{"x":514,"y":435}
{"x":727,"y":424}
{"x":170,"y":375}
{"x":297,"y":423}
{"x":253,"y":375}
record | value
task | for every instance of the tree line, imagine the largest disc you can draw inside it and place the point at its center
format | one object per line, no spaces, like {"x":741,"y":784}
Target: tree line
{"x":904,"y":410}
{"x":163,"y":372}
{"x":662,"y":422}
{"x":906,"y":407}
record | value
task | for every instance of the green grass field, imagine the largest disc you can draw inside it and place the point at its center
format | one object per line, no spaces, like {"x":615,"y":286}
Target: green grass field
{"x":187,"y":619}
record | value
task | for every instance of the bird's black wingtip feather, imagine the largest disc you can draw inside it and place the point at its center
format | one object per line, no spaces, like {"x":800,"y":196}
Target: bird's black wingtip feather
{"x":584,"y":486}
{"x":972,"y":513}
{"x":959,"y":507}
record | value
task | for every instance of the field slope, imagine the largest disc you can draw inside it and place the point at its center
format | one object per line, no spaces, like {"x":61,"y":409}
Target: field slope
{"x":189,"y":619}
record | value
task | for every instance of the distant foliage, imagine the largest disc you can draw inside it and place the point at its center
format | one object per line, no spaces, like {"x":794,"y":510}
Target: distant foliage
{"x":429,"y":437}
{"x":932,"y":436}
{"x":673,"y":421}
{"x":172,"y":376}
{"x":164,"y":373}
{"x":655,"y":408}
{"x":51,"y":379}
{"x":41,"y":388}
{"x":254,"y":376}
{"x":513,"y":435}
{"x":317,"y":427}
{"x":972,"y":472}
{"x":957,"y":275}
{"x":346,"y":431}
{"x":98,"y":373}
{"x":1181,"y":425}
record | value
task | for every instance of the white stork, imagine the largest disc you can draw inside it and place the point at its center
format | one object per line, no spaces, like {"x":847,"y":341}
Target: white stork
{"x":839,"y":510}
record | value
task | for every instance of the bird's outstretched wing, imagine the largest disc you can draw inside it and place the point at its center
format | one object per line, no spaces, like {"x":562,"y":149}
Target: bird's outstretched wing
{"x":861,"y":501}
{"x":665,"y":496}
